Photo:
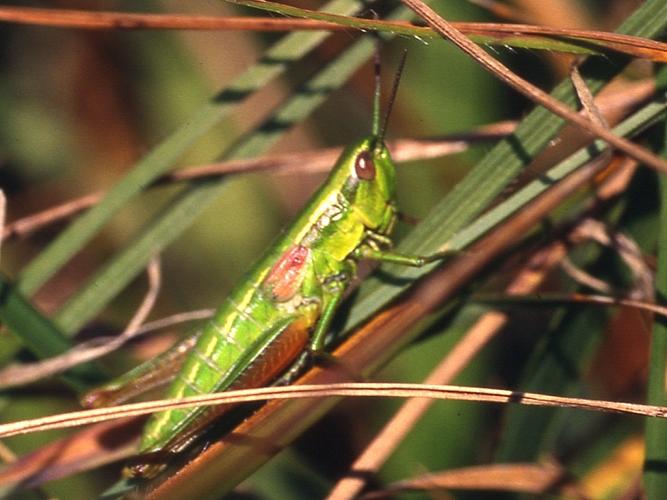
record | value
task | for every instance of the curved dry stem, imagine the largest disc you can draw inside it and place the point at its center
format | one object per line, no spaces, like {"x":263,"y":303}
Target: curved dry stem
{"x":16,"y":375}
{"x":347,"y":389}
{"x":523,"y":35}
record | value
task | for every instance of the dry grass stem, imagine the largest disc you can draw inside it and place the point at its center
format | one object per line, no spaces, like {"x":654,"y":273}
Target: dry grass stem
{"x":625,"y":247}
{"x":319,"y":160}
{"x":347,"y":389}
{"x":547,"y":478}
{"x":175,"y":319}
{"x":99,"y":20}
{"x":565,"y":298}
{"x":31,"y":223}
{"x":96,"y":20}
{"x":584,"y":278}
{"x":447,"y":31}
{"x":586,"y":98}
{"x":392,"y":434}
{"x":6,"y":454}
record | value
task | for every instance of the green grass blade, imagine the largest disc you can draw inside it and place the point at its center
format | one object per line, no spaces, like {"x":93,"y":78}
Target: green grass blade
{"x":162,"y":158}
{"x":39,"y":333}
{"x":493,"y":173}
{"x":560,"y":43}
{"x":184,"y":208}
{"x":632,"y":125}
{"x":655,"y":475}
{"x":557,"y":367}
{"x":635,"y":124}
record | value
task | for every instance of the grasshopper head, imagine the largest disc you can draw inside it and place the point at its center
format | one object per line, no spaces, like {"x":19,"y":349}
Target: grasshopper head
{"x":370,"y":182}
{"x":370,"y":174}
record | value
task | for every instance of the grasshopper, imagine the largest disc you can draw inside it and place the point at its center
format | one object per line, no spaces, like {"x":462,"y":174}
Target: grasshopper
{"x":284,"y":306}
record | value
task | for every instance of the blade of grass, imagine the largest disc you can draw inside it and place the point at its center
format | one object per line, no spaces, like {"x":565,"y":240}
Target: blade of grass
{"x":162,"y":158}
{"x":492,"y":174}
{"x":19,"y":315}
{"x":556,"y":366}
{"x":655,"y":462}
{"x":183,"y":209}
{"x":636,"y":123}
{"x":505,"y":35}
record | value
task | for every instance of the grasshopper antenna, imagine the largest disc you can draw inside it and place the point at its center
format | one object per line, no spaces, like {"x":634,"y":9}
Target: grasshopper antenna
{"x":392,"y":97}
{"x":375,"y":129}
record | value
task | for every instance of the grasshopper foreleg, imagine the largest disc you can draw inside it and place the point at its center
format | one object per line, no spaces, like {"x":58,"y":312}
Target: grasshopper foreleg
{"x":333,"y":290}
{"x":371,"y":253}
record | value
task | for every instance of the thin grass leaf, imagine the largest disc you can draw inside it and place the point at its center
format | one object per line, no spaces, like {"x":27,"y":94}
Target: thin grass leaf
{"x":493,"y":173}
{"x":403,"y":150}
{"x":183,"y":209}
{"x":504,"y":35}
{"x":40,"y":334}
{"x":533,"y":478}
{"x":655,"y":476}
{"x":162,"y":158}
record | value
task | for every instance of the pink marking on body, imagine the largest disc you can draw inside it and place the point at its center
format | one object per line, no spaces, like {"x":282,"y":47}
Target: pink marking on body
{"x":286,"y":275}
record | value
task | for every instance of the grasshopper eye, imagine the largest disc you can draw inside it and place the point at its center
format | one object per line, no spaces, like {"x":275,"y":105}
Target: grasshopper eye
{"x":364,"y":166}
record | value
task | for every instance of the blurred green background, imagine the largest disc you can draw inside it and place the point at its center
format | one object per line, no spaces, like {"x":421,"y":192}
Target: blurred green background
{"x":79,"y":107}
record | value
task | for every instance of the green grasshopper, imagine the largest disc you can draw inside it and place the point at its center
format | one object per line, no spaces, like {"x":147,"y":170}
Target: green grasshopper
{"x":285,"y":305}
